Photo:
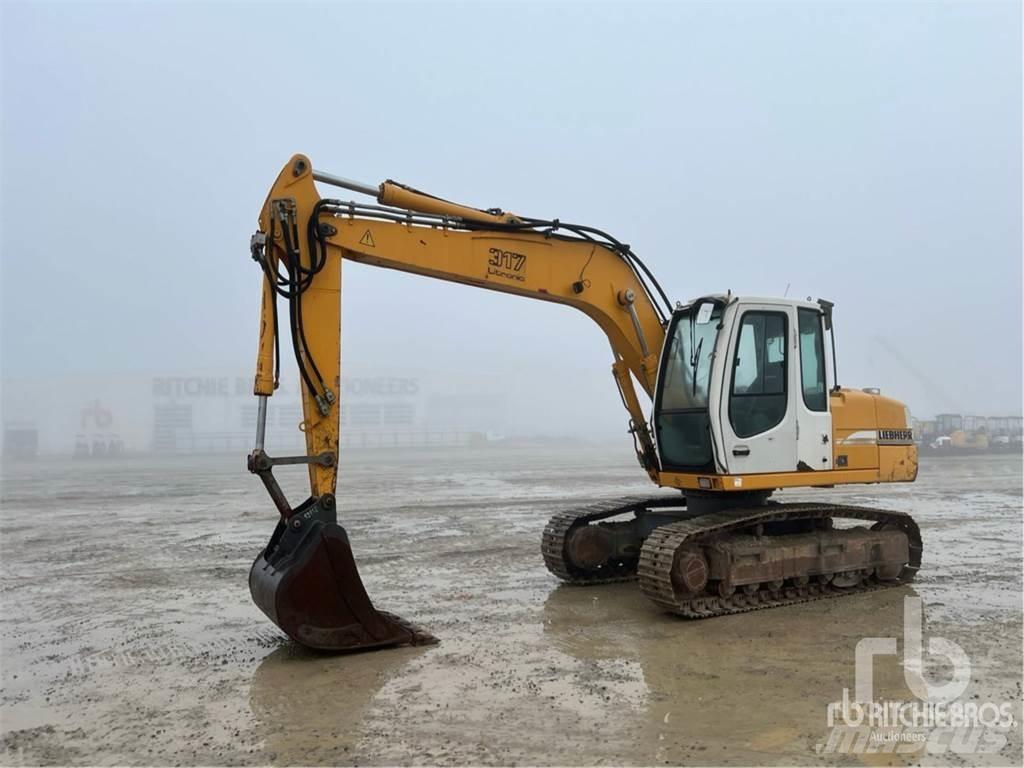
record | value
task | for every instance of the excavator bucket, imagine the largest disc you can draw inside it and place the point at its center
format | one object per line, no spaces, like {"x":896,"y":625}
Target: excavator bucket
{"x":307,"y":583}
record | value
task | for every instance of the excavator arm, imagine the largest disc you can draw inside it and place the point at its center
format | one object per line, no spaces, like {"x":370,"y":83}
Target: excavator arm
{"x":300,"y":246}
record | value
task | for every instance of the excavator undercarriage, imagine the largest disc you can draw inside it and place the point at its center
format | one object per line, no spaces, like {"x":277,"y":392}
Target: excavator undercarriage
{"x":705,"y":564}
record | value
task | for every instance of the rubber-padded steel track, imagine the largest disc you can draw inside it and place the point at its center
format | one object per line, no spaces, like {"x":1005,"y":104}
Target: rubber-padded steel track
{"x":556,"y":535}
{"x":658,"y":553}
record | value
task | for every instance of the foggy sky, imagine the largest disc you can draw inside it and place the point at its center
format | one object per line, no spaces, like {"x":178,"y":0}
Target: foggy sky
{"x":867,"y":153}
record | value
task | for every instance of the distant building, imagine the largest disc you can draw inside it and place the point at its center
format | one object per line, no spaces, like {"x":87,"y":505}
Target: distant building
{"x":948,"y":423}
{"x":1006,"y":426}
{"x":999,"y":425}
{"x":925,"y":429}
{"x":173,"y":413}
{"x":21,"y":441}
{"x":975,"y":424}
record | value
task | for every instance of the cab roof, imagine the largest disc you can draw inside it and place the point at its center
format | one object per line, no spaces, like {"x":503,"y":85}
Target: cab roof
{"x":731,"y":298}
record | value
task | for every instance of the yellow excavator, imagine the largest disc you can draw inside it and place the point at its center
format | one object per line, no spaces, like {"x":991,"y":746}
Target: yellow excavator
{"x":742,"y":406}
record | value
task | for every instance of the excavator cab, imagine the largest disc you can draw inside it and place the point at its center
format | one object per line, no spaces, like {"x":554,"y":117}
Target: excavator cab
{"x":736,"y":377}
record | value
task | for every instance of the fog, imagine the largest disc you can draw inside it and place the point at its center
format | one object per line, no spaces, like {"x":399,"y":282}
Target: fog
{"x":866,"y":153}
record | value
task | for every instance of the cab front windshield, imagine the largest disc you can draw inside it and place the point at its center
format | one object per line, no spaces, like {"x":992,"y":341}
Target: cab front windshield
{"x":688,"y":367}
{"x":681,"y":418}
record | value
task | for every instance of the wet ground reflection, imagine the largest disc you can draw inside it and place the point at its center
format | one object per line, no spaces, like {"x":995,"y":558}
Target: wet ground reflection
{"x":765,"y":683}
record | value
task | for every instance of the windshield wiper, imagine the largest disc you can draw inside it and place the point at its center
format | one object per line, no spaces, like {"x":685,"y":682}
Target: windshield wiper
{"x":695,"y":362}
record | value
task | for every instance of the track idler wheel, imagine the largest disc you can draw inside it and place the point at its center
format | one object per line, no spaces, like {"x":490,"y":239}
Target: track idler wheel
{"x":307,"y":583}
{"x":590,"y":546}
{"x":690,"y":571}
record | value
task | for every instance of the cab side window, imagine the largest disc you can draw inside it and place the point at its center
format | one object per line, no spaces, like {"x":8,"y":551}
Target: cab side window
{"x":812,"y":360}
{"x":757,"y":400}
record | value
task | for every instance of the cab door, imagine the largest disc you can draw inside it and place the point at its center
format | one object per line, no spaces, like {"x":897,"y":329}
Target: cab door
{"x":814,"y":421}
{"x":757,"y":407}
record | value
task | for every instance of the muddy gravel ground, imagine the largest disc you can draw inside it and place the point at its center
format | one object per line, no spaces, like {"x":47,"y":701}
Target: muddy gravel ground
{"x":128,"y":635}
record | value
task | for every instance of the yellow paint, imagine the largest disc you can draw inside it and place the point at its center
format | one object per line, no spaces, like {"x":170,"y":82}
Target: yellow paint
{"x":537,"y":267}
{"x":410,"y":199}
{"x":523,"y":263}
{"x":771,"y":480}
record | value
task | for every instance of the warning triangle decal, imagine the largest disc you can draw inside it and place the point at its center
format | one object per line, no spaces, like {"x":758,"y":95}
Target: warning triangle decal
{"x":367,"y":239}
